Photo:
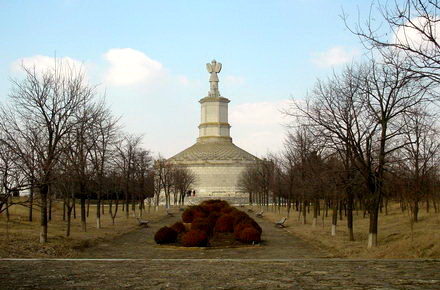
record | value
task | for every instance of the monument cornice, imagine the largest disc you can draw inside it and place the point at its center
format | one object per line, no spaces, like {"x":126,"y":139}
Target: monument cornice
{"x":214,"y":99}
{"x":214,"y":124}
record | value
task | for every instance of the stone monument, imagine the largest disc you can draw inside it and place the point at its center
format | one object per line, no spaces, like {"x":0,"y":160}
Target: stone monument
{"x":214,"y":159}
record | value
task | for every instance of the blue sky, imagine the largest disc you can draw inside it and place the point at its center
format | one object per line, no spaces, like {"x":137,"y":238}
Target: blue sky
{"x":149,"y":57}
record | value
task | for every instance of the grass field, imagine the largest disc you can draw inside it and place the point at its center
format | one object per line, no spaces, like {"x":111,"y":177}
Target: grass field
{"x":395,"y":239}
{"x":20,"y":238}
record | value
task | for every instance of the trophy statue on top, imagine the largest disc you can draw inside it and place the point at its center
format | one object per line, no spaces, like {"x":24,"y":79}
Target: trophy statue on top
{"x":214,"y":68}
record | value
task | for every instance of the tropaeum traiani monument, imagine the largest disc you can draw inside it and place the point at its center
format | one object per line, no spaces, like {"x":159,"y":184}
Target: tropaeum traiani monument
{"x":214,"y":159}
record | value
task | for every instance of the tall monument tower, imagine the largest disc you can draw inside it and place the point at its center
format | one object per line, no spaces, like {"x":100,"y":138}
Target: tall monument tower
{"x":214,"y":159}
{"x":214,"y":126}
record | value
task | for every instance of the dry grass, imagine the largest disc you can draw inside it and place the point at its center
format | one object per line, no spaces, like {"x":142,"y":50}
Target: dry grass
{"x":20,"y":238}
{"x":395,"y":239}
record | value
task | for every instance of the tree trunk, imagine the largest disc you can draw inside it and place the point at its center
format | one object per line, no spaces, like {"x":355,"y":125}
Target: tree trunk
{"x":304,"y":212}
{"x":88,"y":206}
{"x":127,"y":205}
{"x":7,"y":209}
{"x":350,"y":203}
{"x":372,"y":234}
{"x":69,"y":220}
{"x":83,"y":214}
{"x":43,"y":220}
{"x":334,"y":217}
{"x":340,"y":207}
{"x":315,"y":212}
{"x":415,"y":211}
{"x":50,"y":208}
{"x":64,"y":209}
{"x":74,"y":208}
{"x":31,"y":203}
{"x":98,"y":212}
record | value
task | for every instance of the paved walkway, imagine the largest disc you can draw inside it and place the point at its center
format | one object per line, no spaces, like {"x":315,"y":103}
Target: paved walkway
{"x":220,"y":274}
{"x":133,"y":261}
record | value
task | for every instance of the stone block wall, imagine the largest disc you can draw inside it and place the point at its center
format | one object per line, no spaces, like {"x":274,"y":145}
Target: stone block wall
{"x":217,"y":179}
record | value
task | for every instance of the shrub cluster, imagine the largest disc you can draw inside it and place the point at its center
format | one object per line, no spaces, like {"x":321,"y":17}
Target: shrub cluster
{"x":195,"y":238}
{"x":179,"y":227}
{"x":210,"y":217}
{"x":165,"y":235}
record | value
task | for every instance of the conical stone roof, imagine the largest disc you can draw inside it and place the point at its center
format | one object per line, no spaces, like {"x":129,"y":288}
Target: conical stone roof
{"x":213,"y":152}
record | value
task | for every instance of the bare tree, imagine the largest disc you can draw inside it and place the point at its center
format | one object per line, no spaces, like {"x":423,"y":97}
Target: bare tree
{"x":11,"y":177}
{"x":418,"y":159}
{"x":164,"y":172}
{"x":42,"y":111}
{"x":143,"y":180}
{"x":410,"y":28}
{"x":366,"y":120}
{"x":125,"y":156}
{"x":257,"y":180}
{"x":183,"y":180}
{"x":104,"y":128}
{"x":79,"y":144}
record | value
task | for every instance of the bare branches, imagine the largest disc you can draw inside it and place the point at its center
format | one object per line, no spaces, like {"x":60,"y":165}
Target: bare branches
{"x":410,"y":29}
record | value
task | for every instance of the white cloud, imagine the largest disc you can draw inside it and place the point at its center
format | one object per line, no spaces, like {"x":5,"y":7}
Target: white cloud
{"x":43,"y":63}
{"x":130,"y":67}
{"x":261,"y":113}
{"x":334,"y":56}
{"x":259,"y":143}
{"x":258,"y":127}
{"x":407,"y":35}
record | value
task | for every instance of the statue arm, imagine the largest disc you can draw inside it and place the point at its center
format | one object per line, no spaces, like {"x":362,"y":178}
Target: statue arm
{"x":209,"y":67}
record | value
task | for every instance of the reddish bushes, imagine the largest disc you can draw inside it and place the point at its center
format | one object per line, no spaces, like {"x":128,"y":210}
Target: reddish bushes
{"x":202,"y":224}
{"x":193,"y":212}
{"x":250,"y":222}
{"x":226,"y":210}
{"x":209,"y":217}
{"x":247,"y":230}
{"x":179,"y":227}
{"x":214,"y":205}
{"x":225,"y":223}
{"x":165,"y":235}
{"x":248,"y":234}
{"x":195,"y":238}
{"x":239,"y":216}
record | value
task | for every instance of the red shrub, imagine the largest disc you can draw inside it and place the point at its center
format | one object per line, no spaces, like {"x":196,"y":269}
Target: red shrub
{"x":193,"y":212}
{"x":250,"y":221}
{"x":238,"y":228}
{"x":188,"y":214}
{"x":213,"y":217}
{"x":226,"y":210}
{"x":225,"y":223}
{"x":200,"y":212}
{"x":218,"y":202}
{"x":239,"y":216}
{"x":165,"y":235}
{"x":179,"y":227}
{"x":202,"y":224}
{"x":249,"y":235}
{"x":214,"y":205}
{"x":195,"y":238}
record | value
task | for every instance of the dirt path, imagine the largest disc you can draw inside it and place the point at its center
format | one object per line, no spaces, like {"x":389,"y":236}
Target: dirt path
{"x":133,"y":261}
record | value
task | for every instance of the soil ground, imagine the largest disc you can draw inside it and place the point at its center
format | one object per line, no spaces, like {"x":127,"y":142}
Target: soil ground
{"x":283,"y":261}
